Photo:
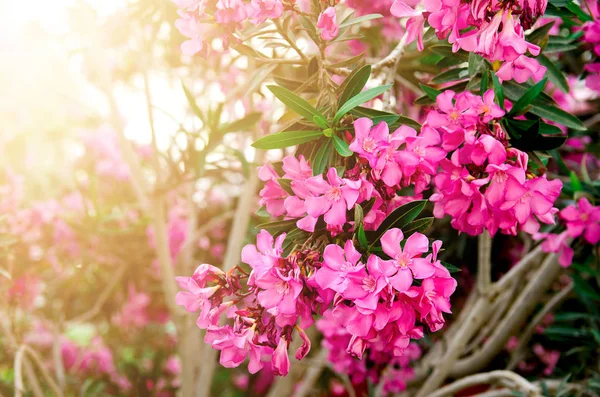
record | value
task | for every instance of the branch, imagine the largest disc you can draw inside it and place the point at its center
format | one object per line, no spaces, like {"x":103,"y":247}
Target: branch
{"x":516,"y":316}
{"x":484,"y":263}
{"x":471,"y":324}
{"x":235,"y":242}
{"x":520,"y":383}
{"x":526,"y":336}
{"x":517,"y":270}
{"x":312,"y":375}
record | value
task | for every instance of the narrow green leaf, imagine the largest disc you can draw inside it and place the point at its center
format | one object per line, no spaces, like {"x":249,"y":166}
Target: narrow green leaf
{"x":362,"y":237}
{"x":286,"y":139}
{"x":432,"y":93}
{"x":451,"y":268}
{"x":359,"y":99}
{"x":557,"y":115}
{"x":341,"y":147}
{"x":399,"y":218}
{"x":377,"y":116}
{"x":498,"y":91}
{"x":360,"y":20}
{"x":417,"y":226}
{"x":244,"y":124}
{"x":192,"y":101}
{"x":485,"y":81}
{"x":286,"y":184}
{"x":475,"y":62}
{"x":294,"y":102}
{"x":358,"y":215}
{"x":540,"y":35}
{"x":575,"y":182}
{"x":548,"y":129}
{"x":277,"y":226}
{"x":320,"y":122}
{"x":450,"y":75}
{"x":531,"y":94}
{"x":354,"y":84}
{"x":321,"y":157}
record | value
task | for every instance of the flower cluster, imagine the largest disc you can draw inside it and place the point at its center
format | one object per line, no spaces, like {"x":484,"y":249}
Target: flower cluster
{"x":492,"y":29}
{"x":377,"y":303}
{"x":309,"y":197}
{"x":228,"y":14}
{"x":485,"y":185}
{"x":280,"y":296}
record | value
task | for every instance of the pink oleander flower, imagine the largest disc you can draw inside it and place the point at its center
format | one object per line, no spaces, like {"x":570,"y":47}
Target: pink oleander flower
{"x":521,"y":69}
{"x":328,"y":24}
{"x":261,"y":10}
{"x":332,"y":197}
{"x":406,"y":263}
{"x":337,"y":266}
{"x":558,"y":244}
{"x":582,"y":219}
{"x":230,"y":12}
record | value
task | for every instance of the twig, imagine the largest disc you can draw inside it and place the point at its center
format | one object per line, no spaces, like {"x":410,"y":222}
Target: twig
{"x":517,"y":270}
{"x":312,"y":375}
{"x":18,"y":368}
{"x":520,"y":383}
{"x":526,"y":336}
{"x":291,"y":42}
{"x":104,"y":295}
{"x":38,"y":361}
{"x":392,"y":61}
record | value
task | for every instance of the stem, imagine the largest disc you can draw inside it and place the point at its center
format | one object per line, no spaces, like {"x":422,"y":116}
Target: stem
{"x":291,"y":42}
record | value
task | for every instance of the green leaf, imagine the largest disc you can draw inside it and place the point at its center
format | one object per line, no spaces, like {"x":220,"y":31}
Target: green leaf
{"x":557,"y":115}
{"x":475,"y":62}
{"x":350,"y":61}
{"x":321,"y":122}
{"x":192,"y":101}
{"x":432,"y":93}
{"x":294,"y":102}
{"x":584,"y":288}
{"x":277,"y":226}
{"x":575,"y":182}
{"x":360,"y":20}
{"x":243,"y":124}
{"x":450,"y":75}
{"x":520,"y":105}
{"x":417,"y":226}
{"x":399,"y":218}
{"x":286,"y":184}
{"x":575,"y":9}
{"x":286,"y":139}
{"x":262,"y":212}
{"x":322,"y":157}
{"x":485,"y":81}
{"x":548,"y":129}
{"x":552,"y":48}
{"x":358,"y":215}
{"x":341,"y":147}
{"x":556,"y":76}
{"x":354,"y":83}
{"x":362,"y":237}
{"x":359,"y":100}
{"x":498,"y":91}
{"x":451,"y":268}
{"x":377,"y":116}
{"x":540,"y":35}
